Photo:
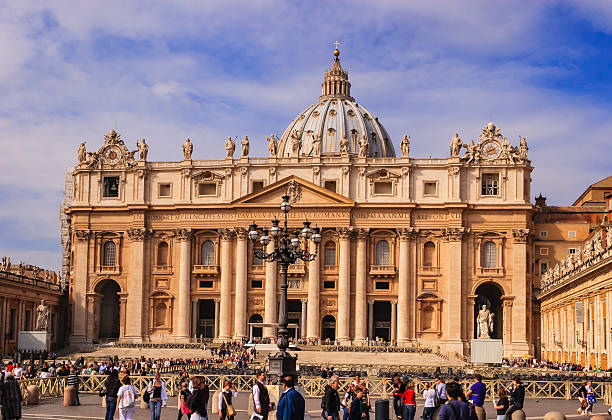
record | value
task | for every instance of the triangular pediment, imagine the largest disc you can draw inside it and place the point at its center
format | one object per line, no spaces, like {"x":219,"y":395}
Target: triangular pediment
{"x":302,"y":193}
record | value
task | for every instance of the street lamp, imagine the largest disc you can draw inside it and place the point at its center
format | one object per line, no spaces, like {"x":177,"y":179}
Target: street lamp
{"x":289,"y":247}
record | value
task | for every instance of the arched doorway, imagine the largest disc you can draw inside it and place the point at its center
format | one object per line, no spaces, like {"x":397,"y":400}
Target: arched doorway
{"x":256,"y":330}
{"x":109,"y":309}
{"x":328,"y":330}
{"x":490,"y":295}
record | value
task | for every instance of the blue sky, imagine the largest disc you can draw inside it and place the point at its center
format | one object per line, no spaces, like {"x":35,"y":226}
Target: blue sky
{"x":207,"y":70}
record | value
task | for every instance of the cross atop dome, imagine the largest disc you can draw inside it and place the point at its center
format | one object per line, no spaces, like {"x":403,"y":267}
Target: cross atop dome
{"x":335,"y":83}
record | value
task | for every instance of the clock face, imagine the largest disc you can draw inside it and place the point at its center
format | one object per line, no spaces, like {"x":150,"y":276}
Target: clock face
{"x":491,"y":149}
{"x":113,"y":155}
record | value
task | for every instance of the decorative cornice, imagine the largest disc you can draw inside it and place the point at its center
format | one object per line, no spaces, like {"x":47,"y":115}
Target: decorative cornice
{"x":82,"y":235}
{"x":453,"y":170}
{"x":183,"y":234}
{"x":226,"y":234}
{"x":520,"y":235}
{"x":408,"y":233}
{"x":136,"y":234}
{"x":344,"y":232}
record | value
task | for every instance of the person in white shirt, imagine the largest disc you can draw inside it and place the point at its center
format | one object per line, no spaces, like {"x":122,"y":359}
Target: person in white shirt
{"x":17,"y":371}
{"x":429,"y":394}
{"x":125,"y":406}
{"x":225,"y":398}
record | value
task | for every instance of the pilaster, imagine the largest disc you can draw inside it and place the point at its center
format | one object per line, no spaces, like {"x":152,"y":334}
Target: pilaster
{"x":184,"y":295}
{"x":361,"y":286}
{"x":225,"y":313}
{"x":240,"y":309}
{"x":344,"y":285}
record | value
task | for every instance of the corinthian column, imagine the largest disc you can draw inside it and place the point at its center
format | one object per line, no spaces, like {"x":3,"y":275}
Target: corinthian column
{"x":403,"y":294}
{"x":361,"y":287}
{"x":225,"y":315}
{"x":270,"y":300}
{"x":240,"y":309}
{"x":344,"y":285}
{"x":184,"y":237}
{"x":314,"y":300}
{"x":454,"y":237}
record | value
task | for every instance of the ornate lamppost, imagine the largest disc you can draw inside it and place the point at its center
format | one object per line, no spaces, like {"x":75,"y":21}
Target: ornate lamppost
{"x":288,"y":249}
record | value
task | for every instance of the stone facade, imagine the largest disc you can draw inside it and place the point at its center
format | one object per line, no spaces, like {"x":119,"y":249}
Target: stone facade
{"x":160,"y":252}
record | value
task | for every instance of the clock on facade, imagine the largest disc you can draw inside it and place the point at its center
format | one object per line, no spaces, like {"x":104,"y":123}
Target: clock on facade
{"x":491,"y":149}
{"x":113,"y":154}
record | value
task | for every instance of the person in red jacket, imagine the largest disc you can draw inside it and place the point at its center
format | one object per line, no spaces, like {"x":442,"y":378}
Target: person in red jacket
{"x":409,"y":400}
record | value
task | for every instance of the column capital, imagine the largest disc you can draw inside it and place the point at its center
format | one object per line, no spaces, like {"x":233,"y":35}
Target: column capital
{"x":454,"y":234}
{"x":183,"y":234}
{"x":370,"y":301}
{"x":227,"y":234}
{"x":407,"y":233}
{"x":520,"y":236}
{"x":304,"y":301}
{"x":394,"y":302}
{"x":344,"y":232}
{"x":217,"y":300}
{"x":136,"y":234}
{"x":82,"y":235}
{"x":362,"y":234}
{"x":241,"y":233}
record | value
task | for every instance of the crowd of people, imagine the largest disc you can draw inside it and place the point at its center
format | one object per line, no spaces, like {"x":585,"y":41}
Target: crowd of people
{"x":546,"y":364}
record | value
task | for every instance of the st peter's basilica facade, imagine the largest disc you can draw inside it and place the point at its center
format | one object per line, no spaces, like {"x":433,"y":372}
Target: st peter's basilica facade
{"x":411,"y":248}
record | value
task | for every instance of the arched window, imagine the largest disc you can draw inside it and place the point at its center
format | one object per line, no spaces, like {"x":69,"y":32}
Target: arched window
{"x":110,"y":254}
{"x":489,"y":255}
{"x":160,"y":314}
{"x":330,"y":254}
{"x":429,"y":250}
{"x":162,"y":254}
{"x":382,"y":253}
{"x":208,"y":253}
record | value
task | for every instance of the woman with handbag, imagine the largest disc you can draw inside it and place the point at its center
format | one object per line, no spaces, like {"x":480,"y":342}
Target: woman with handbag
{"x":158,"y":397}
{"x":582,"y":397}
{"x":226,"y":409}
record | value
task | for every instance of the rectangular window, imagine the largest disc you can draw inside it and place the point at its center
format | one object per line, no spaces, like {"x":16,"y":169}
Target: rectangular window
{"x":256,"y":284}
{"x":571,"y":234}
{"x":543,"y":267}
{"x":257,"y":186}
{"x":329,"y":284}
{"x":28,"y":320}
{"x":543,"y":251}
{"x":571,"y":250}
{"x":544,"y":234}
{"x":206,"y":284}
{"x":383,"y":188}
{"x":490,"y":184}
{"x":430,"y":188}
{"x":330,"y":185}
{"x":111,"y":186}
{"x":13,"y":324}
{"x":382,"y":285}
{"x":164,"y":190}
{"x":207,"y":189}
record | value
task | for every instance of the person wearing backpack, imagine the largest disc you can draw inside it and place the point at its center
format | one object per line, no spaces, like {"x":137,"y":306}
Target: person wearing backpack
{"x":198,"y":400}
{"x":454,"y":409}
{"x":126,"y":399}
{"x":477,"y":393}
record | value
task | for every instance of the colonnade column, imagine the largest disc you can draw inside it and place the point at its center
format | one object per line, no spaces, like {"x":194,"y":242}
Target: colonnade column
{"x":454,"y":236}
{"x":270,"y":300}
{"x":225,"y":313}
{"x":520,"y":344}
{"x":81,"y":281}
{"x":184,"y":293}
{"x":393,"y":334}
{"x":371,"y":319}
{"x":134,"y":309}
{"x":217,"y":312}
{"x":195,"y":317}
{"x":240,"y":309}
{"x":361,"y":287}
{"x":344,"y":285}
{"x":403,"y":294}
{"x":303,"y":318}
{"x":313,"y":322}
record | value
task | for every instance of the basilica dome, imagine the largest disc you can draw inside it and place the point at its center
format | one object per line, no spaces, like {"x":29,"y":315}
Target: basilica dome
{"x":335,"y":123}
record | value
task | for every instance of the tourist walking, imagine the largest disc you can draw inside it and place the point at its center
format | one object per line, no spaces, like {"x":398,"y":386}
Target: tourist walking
{"x":477,"y":394}
{"x":183,"y":398}
{"x":111,"y":388}
{"x":590,"y":399}
{"x":409,"y":400}
{"x":429,"y":395}
{"x":158,"y":397}
{"x":11,"y":397}
{"x":582,"y":398}
{"x":517,"y":397}
{"x":502,"y":403}
{"x":226,"y":408}
{"x":291,"y":405}
{"x":440,"y":392}
{"x":126,"y":399}
{"x":454,"y":409}
{"x":398,"y":389}
{"x":359,"y":409}
{"x":331,"y":401}
{"x":73,"y":380}
{"x":199,"y":399}
{"x":349,"y":396}
{"x":261,"y":397}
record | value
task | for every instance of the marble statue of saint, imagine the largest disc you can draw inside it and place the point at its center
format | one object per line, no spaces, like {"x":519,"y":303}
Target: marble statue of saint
{"x":272,"y":145}
{"x":455,"y":145}
{"x":21,"y":268}
{"x":364,"y":144}
{"x":506,"y":151}
{"x":609,"y":237}
{"x":230,"y":148}
{"x":245,"y":147}
{"x":485,"y":322}
{"x":82,"y":153}
{"x":296,"y":143}
{"x":188,"y":149}
{"x":143,"y":150}
{"x":472,"y":153}
{"x":524,"y":148}
{"x":405,"y":146}
{"x":42,"y":316}
{"x":344,"y":145}
{"x":316,"y":145}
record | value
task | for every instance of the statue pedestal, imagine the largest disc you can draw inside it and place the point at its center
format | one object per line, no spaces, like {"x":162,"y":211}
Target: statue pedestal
{"x":34,"y":340}
{"x":486,"y":351}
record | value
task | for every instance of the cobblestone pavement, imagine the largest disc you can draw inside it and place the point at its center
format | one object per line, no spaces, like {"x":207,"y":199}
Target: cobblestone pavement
{"x":91,"y":408}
